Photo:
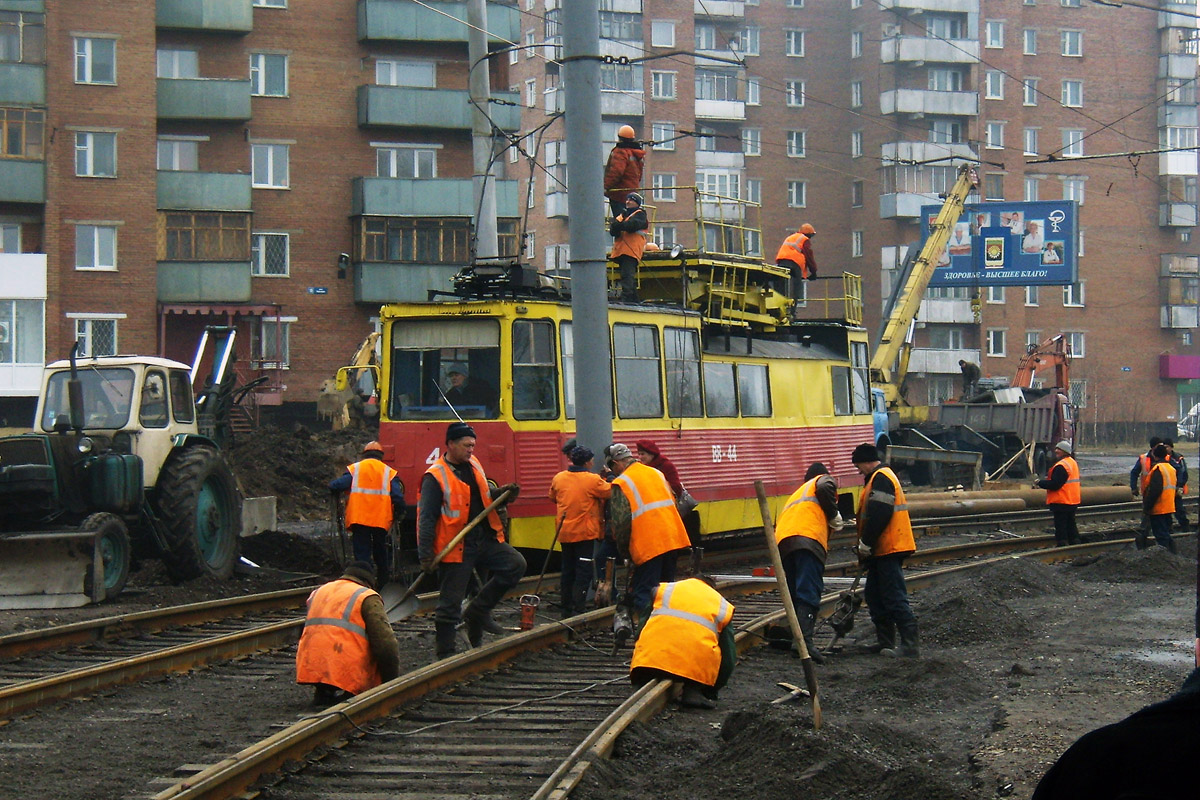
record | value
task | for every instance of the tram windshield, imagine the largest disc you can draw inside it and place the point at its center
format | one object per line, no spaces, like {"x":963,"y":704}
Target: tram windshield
{"x":443,"y":366}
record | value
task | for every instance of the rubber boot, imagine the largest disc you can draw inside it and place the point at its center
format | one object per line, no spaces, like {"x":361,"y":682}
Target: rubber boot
{"x":1171,"y":544}
{"x":910,"y":642}
{"x":807,"y":616}
{"x":885,"y":637}
{"x":446,"y":639}
{"x":693,"y":697}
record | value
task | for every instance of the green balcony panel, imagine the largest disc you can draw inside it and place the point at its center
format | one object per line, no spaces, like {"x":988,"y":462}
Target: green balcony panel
{"x":203,"y":281}
{"x":379,"y":283}
{"x":22,"y":84}
{"x":426,"y":197}
{"x":28,"y":6}
{"x":203,"y":191}
{"x":402,"y":20}
{"x":22,"y":181}
{"x":204,"y":98}
{"x":230,"y":16}
{"x":447,"y":109}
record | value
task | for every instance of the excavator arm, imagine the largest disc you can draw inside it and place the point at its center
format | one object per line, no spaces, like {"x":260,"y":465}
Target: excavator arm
{"x":889,"y":364}
{"x":1052,"y":352}
{"x":339,"y":393}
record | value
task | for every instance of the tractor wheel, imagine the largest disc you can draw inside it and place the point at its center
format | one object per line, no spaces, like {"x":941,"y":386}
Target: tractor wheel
{"x":200,"y":503}
{"x":114,"y":549}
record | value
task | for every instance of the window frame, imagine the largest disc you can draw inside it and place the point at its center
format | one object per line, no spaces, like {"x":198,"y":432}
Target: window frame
{"x":85,"y":334}
{"x":996,"y":340}
{"x":662,"y":82}
{"x":1072,"y":90}
{"x":751,"y":142}
{"x":1029,"y":41}
{"x":258,"y":254}
{"x":1072,"y":144}
{"x":662,"y":186}
{"x":88,"y":150}
{"x":26,"y":121}
{"x":764,"y":389}
{"x":691,"y":387}
{"x":794,"y":42}
{"x":629,"y":405}
{"x":103,"y":238}
{"x":1071,"y":43}
{"x":797,"y":144}
{"x":261,"y":74}
{"x":87,"y":60}
{"x":993,"y":137}
{"x":993,"y":85}
{"x":543,"y":366}
{"x":664,"y":135}
{"x":794,"y":94}
{"x":993,"y":34}
{"x":797,"y":194}
{"x":270,"y":181}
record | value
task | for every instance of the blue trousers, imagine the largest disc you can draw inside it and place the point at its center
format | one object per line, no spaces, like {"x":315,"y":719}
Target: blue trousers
{"x":647,"y":577}
{"x":805,"y":577}
{"x":370,"y":545}
{"x":885,"y":591}
{"x":577,"y":573}
{"x":1160,"y":526}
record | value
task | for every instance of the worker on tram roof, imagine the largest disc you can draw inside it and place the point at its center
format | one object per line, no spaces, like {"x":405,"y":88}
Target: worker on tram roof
{"x":629,"y":244}
{"x":623,"y":172}
{"x":796,"y":254}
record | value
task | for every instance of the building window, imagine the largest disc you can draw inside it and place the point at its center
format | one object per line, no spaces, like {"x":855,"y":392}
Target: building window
{"x":856,"y":94}
{"x":944,"y":26}
{"x":856,"y":144}
{"x":440,"y":240}
{"x":1032,"y":338}
{"x":856,"y":194}
{"x":1072,"y":143}
{"x":178,"y":155}
{"x":797,"y":144}
{"x":995,"y":295}
{"x":389,"y":72}
{"x":272,"y":346}
{"x":712,"y":84}
{"x":406,"y":161}
{"x":1073,"y":295}
{"x":95,"y":60}
{"x":993,"y":186}
{"x":797,"y":194}
{"x":95,"y":154}
{"x":721,"y":183}
{"x":994,"y":85}
{"x":530,"y":44}
{"x":1031,"y":299}
{"x":531,"y":95}
{"x":856,"y":244}
{"x":268,"y":75}
{"x":620,"y":25}
{"x":96,"y":247}
{"x":22,"y":37}
{"x":22,"y":131}
{"x":945,"y":131}
{"x":270,"y":254}
{"x":1079,"y":388}
{"x":754,"y":190}
{"x":1073,"y":189}
{"x":1032,"y":189}
{"x":662,"y":33}
{"x":940,"y":389}
{"x":662,"y":85}
{"x":1072,"y":94}
{"x":944,"y":79}
{"x":752,"y":141}
{"x":1177,"y":137}
{"x":945,"y":337}
{"x":270,"y":166}
{"x":1076,"y":343}
{"x":96,"y":336}
{"x":706,"y":140}
{"x":666,"y":236}
{"x":794,"y":43}
{"x":794,"y":94}
{"x":993,"y":33}
{"x":176,"y":64}
{"x":10,"y":237}
{"x":753,"y":91}
{"x":663,"y":187}
{"x":795,"y":3}
{"x":1072,"y":43}
{"x":994,"y":135}
{"x":750,"y":41}
{"x":1069,"y":3}
{"x":1029,"y":92}
{"x":995,"y":342}
{"x":1030,"y":40}
{"x":663,"y":134}
{"x":270,"y":3}
{"x":1029,"y":138}
{"x":706,"y":37}
{"x":204,"y":236}
{"x":22,"y":331}
{"x":856,"y":44}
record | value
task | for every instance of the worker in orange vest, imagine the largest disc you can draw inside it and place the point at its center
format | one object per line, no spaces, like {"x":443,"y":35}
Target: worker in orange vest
{"x":796,"y":254}
{"x":579,"y":496}
{"x":629,"y":244}
{"x":623,"y":171}
{"x":687,"y":638}
{"x":1158,"y":498}
{"x":347,"y":646}
{"x":375,"y":499}
{"x":1062,"y":494}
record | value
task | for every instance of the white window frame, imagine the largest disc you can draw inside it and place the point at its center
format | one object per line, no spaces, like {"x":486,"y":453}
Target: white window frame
{"x":856,"y":144}
{"x":1029,"y":41}
{"x":662,"y":186}
{"x":258,"y":250}
{"x":856,"y":94}
{"x":797,"y":144}
{"x":84,"y":324}
{"x":856,"y":44}
{"x":750,"y":41}
{"x":663,"y":84}
{"x":659,"y":30}
{"x":414,"y":72}
{"x":797,"y":194}
{"x":857,"y":193}
{"x":1072,"y":93}
{"x":531,"y":95}
{"x":994,"y":135}
{"x":270,"y":3}
{"x":753,"y":91}
{"x":663,"y":132}
{"x":275,"y":152}
{"x":993,"y":85}
{"x":103,"y":237}
{"x":180,"y":62}
{"x":705,"y":36}
{"x":753,"y":190}
{"x":794,"y":93}
{"x":666,"y":236}
{"x":416,"y":152}
{"x":1029,"y":92}
{"x":1074,"y":295}
{"x":260,"y":356}
{"x":794,"y":42}
{"x":1071,"y":43}
{"x":183,"y":153}
{"x":1031,"y":188}
{"x":90,"y":55}
{"x":996,"y":342}
{"x":86,"y":148}
{"x":261,"y":73}
{"x":1076,"y":343}
{"x":1031,"y":300}
{"x":752,"y":142}
{"x":1074,"y":188}
{"x":995,"y":295}
{"x":1029,"y":141}
{"x":530,"y":44}
{"x":856,"y":244}
{"x":993,"y":34}
{"x":1072,"y":143}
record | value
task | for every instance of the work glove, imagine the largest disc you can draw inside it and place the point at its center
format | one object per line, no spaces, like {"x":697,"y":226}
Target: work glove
{"x":513,"y":489}
{"x":614,"y":228}
{"x":427,"y":564}
{"x":862,"y":550}
{"x":837,"y":523}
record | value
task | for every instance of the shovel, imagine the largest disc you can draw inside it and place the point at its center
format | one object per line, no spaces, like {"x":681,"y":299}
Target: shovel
{"x":407,"y":604}
{"x":810,"y":672}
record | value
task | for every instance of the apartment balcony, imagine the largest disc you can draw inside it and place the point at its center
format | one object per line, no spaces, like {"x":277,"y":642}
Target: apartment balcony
{"x":919,"y":102}
{"x":1176,"y":65}
{"x":215,"y":99}
{"x":1173,"y":115}
{"x":936,"y":6}
{"x":904,"y":205}
{"x":22,"y":181}
{"x":23,"y":279}
{"x":1177,"y":215}
{"x":211,"y":16}
{"x":719,"y":160}
{"x":734,"y":110}
{"x":23,"y":84}
{"x":923,"y":151}
{"x":445,"y":109}
{"x":1177,"y":15}
{"x":1181,"y":162}
{"x":203,"y":191}
{"x":1179,"y":317}
{"x":932,"y":361}
{"x":620,"y":6}
{"x":556,"y":205}
{"x":719,"y":9}
{"x":404,"y":21}
{"x":622,"y":104}
{"x":376,"y":283}
{"x":920,"y":49}
{"x":426,"y":197}
{"x":203,"y":281}
{"x":621,"y":48}
{"x":956,"y":312}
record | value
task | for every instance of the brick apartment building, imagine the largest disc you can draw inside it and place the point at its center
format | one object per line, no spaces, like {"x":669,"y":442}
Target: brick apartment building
{"x":834,"y":93}
{"x":179,"y":163}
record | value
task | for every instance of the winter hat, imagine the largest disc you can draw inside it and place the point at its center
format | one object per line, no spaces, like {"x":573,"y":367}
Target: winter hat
{"x":360,"y":571}
{"x":635,"y":197}
{"x":1065,"y":446}
{"x":617,"y":452}
{"x":817,"y":468}
{"x":1159,"y":451}
{"x":648,"y":446}
{"x":458,"y":430}
{"x":581,"y":455}
{"x":864,"y":454}
{"x":569,"y":446}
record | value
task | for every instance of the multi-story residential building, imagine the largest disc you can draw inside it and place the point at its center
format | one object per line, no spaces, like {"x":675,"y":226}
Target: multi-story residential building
{"x":848,"y":113}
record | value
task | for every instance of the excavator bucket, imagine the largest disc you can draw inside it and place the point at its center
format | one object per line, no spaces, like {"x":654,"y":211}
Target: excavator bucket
{"x":55,"y":569}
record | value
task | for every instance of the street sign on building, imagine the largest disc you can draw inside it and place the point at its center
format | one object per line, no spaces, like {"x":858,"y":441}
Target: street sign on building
{"x":1008,"y":244}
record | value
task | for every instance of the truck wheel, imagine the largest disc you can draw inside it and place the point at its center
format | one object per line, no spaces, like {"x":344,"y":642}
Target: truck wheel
{"x":114,"y":549}
{"x":1041,"y":462}
{"x":199,"y":500}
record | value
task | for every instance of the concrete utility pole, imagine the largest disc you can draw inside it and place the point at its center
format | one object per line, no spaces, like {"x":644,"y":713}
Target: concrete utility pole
{"x":487,"y":244}
{"x":585,"y":196}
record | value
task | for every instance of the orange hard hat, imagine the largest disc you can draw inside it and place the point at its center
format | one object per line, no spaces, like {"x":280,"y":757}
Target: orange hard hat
{"x":369,"y":446}
{"x":807,"y":230}
{"x":626,"y":132}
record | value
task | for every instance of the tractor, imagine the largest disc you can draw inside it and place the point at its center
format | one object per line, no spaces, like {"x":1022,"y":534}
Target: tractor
{"x":116,"y":468}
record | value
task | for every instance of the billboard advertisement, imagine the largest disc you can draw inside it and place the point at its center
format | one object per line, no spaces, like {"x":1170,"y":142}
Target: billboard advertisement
{"x":1008,"y":244}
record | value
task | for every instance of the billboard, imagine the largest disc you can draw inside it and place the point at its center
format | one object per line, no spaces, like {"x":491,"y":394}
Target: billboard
{"x":1008,"y":244}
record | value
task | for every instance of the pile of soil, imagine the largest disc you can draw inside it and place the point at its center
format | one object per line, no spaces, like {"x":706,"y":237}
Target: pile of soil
{"x":289,"y":552}
{"x":296,"y":466}
{"x":1152,"y":564}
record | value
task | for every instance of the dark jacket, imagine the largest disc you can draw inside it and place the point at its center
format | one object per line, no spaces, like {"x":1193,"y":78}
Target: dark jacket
{"x":623,"y":173}
{"x":1055,"y":480}
{"x":878,"y":514}
{"x":827,"y":499}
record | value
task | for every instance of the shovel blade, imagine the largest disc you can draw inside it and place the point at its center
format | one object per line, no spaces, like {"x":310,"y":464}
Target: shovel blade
{"x":403,"y":609}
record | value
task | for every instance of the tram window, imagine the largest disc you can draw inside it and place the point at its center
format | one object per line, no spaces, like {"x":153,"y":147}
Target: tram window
{"x":441,"y":363}
{"x":682,"y":350}
{"x":841,"y":391}
{"x":567,"y":337}
{"x":639,"y":375}
{"x":535,"y":391}
{"x":754,"y":390}
{"x":720,"y":390}
{"x":860,"y":382}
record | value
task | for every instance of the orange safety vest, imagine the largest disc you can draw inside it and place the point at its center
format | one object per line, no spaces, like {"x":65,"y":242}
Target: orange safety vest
{"x":682,"y":635}
{"x":456,"y":507}
{"x":897,"y":537}
{"x":1147,"y":465}
{"x":580,"y":498}
{"x":802,"y":515}
{"x":1068,"y":493}
{"x":370,"y":500}
{"x":656,"y":527}
{"x":334,"y":648}
{"x":1166,"y":501}
{"x":792,"y":249}
{"x":629,"y":243}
